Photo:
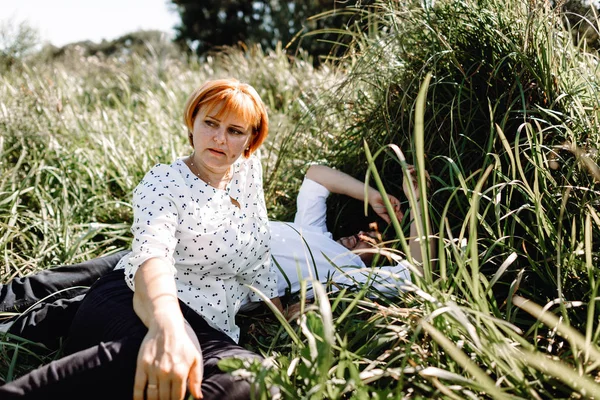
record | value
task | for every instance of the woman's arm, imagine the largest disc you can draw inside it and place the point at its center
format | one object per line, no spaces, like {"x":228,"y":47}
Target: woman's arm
{"x":169,"y":358}
{"x":342,"y":183}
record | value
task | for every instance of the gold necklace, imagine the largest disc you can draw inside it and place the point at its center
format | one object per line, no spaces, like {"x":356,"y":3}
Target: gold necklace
{"x":226,"y":178}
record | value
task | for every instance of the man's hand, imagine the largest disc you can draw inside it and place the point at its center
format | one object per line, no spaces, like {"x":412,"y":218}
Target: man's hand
{"x":377,"y":204}
{"x":292,"y":311}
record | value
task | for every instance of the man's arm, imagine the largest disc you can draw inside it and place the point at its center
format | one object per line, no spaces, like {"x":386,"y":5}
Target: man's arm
{"x":413,"y":240}
{"x":336,"y":181}
{"x":342,"y":183}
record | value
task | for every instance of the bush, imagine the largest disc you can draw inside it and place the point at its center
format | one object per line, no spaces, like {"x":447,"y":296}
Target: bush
{"x":16,"y":41}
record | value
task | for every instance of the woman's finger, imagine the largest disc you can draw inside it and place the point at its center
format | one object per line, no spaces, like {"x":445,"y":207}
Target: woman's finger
{"x":178,"y":387}
{"x":139,"y":385}
{"x":177,"y":381}
{"x":152,"y":389}
{"x":164,"y":389}
{"x":195,"y":378}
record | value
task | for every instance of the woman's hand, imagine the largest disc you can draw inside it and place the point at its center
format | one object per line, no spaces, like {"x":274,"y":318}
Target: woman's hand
{"x":377,"y":204}
{"x":169,"y":357}
{"x":168,"y":361}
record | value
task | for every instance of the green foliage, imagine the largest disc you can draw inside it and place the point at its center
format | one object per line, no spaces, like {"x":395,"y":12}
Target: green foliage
{"x":458,"y":337}
{"x":206,"y":25}
{"x":17,"y":355}
{"x":581,"y":16}
{"x":510,"y":67}
{"x":145,"y":44}
{"x":509,"y":131}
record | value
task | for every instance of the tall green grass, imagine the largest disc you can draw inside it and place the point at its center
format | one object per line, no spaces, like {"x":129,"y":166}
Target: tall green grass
{"x":508,"y":129}
{"x":493,"y":98}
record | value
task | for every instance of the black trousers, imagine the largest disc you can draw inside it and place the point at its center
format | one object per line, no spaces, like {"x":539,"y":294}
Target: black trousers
{"x":49,"y":299}
{"x":102,"y":348}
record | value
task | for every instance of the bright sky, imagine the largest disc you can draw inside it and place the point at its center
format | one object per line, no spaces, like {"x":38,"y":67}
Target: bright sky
{"x":66,"y":21}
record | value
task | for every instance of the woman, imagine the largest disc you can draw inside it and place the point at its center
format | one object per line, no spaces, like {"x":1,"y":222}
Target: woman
{"x":161,"y":321}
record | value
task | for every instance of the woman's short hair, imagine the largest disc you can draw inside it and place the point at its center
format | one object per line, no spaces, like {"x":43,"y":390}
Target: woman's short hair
{"x":234,"y":96}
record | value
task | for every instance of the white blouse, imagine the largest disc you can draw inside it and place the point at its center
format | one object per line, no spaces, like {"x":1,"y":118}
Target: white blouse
{"x":216,"y":249}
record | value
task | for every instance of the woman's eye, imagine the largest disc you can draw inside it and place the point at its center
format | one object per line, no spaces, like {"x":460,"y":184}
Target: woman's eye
{"x":236,"y":132}
{"x":210,"y":123}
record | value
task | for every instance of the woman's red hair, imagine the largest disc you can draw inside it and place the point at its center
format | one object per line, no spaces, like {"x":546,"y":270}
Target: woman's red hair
{"x":230,"y":95}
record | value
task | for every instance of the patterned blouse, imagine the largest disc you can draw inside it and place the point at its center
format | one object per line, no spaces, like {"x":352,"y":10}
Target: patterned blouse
{"x":215,"y":248}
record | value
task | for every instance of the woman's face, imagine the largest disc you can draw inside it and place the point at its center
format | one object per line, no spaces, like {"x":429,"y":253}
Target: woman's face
{"x":219,"y":141}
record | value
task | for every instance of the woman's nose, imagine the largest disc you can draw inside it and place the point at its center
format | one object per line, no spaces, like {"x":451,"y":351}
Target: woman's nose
{"x":219,"y":136}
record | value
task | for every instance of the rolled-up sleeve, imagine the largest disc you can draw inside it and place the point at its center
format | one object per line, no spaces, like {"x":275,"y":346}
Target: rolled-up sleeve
{"x":154,"y":227}
{"x":311,"y":205}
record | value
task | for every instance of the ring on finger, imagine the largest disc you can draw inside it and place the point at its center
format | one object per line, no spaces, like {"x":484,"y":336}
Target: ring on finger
{"x":152,"y":386}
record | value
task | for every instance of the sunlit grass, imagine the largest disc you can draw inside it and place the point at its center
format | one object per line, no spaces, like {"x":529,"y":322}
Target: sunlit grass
{"x":507,"y":126}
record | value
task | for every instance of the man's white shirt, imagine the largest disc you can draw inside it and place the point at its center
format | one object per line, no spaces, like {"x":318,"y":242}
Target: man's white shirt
{"x":305,"y":250}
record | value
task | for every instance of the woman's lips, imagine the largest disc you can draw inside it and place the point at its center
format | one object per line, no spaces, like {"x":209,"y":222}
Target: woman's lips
{"x":217,"y":152}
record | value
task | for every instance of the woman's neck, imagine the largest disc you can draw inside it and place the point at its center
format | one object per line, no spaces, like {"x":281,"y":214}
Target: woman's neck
{"x":217,"y":179}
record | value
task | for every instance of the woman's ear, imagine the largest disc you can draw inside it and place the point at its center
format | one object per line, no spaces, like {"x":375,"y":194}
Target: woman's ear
{"x":191,"y":139}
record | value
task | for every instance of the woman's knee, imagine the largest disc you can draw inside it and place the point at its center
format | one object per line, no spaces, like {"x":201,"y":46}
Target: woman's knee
{"x":226,"y":386}
{"x":223,"y":385}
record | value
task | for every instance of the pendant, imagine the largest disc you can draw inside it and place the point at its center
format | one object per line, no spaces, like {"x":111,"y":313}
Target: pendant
{"x":235,"y":202}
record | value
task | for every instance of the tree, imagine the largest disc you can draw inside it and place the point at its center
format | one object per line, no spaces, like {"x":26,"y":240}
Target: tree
{"x":206,"y":24}
{"x":16,"y":41}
